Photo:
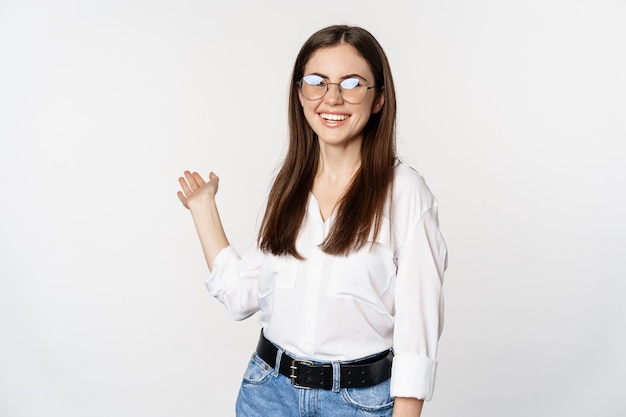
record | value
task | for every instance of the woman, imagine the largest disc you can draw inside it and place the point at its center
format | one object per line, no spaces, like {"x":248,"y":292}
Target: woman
{"x":349,"y":262}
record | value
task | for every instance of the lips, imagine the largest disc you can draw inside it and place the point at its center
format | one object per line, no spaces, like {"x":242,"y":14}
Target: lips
{"x":332,"y":117}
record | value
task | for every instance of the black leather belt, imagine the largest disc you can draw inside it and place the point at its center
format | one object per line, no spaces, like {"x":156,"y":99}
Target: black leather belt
{"x":307,"y":374}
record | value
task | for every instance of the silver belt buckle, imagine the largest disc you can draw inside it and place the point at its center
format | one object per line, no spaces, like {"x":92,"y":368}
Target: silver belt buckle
{"x":294,"y":367}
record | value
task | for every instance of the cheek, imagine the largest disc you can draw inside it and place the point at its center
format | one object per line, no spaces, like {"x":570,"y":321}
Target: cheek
{"x":309,"y":114}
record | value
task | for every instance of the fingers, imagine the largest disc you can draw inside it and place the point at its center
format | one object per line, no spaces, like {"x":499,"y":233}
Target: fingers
{"x":191,"y":182}
{"x":198,"y":179}
{"x":182,"y":199}
{"x":195,"y":180}
{"x":185,"y":187}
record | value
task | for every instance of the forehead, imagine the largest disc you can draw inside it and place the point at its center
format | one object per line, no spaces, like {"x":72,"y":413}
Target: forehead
{"x":338,"y":61}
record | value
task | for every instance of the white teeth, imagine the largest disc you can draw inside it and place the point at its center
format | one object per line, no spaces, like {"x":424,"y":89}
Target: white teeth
{"x":333,"y":117}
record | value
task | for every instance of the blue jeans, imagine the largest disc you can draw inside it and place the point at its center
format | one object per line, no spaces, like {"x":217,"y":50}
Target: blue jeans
{"x":266,"y":393}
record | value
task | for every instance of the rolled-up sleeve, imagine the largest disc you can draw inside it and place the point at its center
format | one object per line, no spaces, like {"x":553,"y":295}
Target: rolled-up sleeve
{"x":421,"y":262}
{"x":234,"y":281}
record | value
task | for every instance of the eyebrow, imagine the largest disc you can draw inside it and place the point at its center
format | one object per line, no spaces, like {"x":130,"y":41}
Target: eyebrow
{"x":345,"y":77}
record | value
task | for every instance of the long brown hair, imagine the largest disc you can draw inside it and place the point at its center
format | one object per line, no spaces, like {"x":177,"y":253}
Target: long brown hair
{"x":361,"y":208}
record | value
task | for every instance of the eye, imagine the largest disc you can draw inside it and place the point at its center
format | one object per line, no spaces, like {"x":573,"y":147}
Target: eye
{"x":350,"y":83}
{"x":314,"y":80}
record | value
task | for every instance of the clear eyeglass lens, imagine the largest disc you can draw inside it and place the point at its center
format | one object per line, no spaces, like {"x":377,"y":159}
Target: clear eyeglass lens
{"x":350,"y":83}
{"x":352,"y":90}
{"x":313,"y":87}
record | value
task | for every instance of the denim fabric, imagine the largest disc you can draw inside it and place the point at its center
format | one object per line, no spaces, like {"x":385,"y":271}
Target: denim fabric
{"x":264,"y":393}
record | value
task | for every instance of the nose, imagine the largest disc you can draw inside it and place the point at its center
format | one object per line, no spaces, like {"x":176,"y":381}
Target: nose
{"x":333,"y":95}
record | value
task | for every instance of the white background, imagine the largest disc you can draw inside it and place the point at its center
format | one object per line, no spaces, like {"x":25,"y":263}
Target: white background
{"x":514,"y":111}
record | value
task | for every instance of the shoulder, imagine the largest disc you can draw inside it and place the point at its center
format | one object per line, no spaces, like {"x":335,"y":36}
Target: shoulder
{"x":410,"y":191}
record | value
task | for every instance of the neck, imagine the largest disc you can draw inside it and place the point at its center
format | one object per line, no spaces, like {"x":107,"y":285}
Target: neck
{"x":338,"y":163}
{"x":335,"y":170}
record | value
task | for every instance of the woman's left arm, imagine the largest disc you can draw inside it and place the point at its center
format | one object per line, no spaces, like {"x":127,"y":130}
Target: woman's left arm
{"x":418,"y":308}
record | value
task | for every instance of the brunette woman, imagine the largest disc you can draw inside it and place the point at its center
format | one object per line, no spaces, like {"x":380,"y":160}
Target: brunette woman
{"x":348,"y":267}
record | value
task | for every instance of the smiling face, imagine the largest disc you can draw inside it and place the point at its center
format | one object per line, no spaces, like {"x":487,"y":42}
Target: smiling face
{"x":335,"y":121}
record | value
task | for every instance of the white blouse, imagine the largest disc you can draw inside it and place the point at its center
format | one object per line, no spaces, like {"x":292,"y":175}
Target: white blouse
{"x":333,"y":308}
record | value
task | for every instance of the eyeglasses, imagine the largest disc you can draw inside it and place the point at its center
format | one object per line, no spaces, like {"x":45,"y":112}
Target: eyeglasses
{"x":353,"y":90}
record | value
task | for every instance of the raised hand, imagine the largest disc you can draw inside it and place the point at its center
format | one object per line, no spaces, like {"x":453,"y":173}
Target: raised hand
{"x":195,"y":190}
{"x":199,"y":197}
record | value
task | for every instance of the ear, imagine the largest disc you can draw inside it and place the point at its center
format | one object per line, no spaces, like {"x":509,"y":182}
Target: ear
{"x":378,"y":103}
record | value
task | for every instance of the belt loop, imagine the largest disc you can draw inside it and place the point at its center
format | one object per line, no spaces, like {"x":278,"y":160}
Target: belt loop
{"x":279,"y":355}
{"x":336,"y":376}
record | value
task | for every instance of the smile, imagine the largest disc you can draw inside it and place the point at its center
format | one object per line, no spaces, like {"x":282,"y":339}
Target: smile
{"x":334,"y":117}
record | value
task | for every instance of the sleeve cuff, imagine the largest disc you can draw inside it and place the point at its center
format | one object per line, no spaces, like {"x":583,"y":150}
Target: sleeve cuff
{"x":413,"y":376}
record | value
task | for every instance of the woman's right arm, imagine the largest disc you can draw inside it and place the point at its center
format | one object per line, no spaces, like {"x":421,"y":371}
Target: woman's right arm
{"x":199,"y":197}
